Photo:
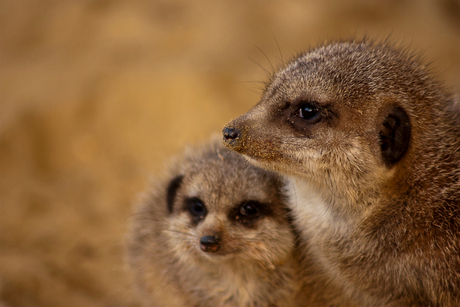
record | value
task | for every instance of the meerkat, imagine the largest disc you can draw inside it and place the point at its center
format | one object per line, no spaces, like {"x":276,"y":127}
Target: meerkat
{"x":214,"y":231}
{"x":370,"y":145}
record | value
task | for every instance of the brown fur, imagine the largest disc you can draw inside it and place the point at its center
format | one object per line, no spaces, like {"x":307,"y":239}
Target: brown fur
{"x":381,"y":225}
{"x":256,"y":264}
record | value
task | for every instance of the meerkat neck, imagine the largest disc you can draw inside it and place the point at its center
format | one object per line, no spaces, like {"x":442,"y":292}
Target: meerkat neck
{"x":321,"y":204}
{"x":341,"y":197}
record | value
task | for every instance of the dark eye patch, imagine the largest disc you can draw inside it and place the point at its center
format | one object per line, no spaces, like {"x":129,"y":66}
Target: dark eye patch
{"x":171,"y":192}
{"x":249,"y":212}
{"x":196,"y":209}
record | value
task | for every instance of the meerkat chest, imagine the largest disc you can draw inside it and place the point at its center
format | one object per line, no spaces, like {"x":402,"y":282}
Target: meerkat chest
{"x":317,"y":221}
{"x":229,"y":287}
{"x":330,"y":235}
{"x":310,"y":209}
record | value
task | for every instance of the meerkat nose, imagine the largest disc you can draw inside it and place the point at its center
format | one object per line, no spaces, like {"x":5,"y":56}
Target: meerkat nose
{"x":209,"y":244}
{"x":234,"y":135}
{"x":231,"y":133}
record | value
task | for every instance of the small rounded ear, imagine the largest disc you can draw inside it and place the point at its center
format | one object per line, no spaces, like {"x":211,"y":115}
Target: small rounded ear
{"x":171,"y":192}
{"x":394,"y":135}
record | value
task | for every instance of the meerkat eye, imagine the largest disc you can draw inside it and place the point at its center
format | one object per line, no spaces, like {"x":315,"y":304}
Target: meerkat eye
{"x":249,"y":209}
{"x":196,"y":207}
{"x":308,"y":112}
{"x":248,"y":212}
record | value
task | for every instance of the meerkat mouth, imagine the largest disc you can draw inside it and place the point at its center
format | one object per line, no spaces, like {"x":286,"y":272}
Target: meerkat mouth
{"x":260,"y":162}
{"x":218,"y":256}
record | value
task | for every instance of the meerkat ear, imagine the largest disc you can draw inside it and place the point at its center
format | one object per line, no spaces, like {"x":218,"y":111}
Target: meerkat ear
{"x":174,"y":184}
{"x":394,"y":135}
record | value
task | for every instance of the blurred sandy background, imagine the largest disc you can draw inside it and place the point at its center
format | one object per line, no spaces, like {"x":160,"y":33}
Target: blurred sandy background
{"x":95,"y":94}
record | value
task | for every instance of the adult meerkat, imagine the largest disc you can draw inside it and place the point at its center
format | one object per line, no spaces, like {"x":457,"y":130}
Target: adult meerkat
{"x":371,"y":147}
{"x":214,"y":231}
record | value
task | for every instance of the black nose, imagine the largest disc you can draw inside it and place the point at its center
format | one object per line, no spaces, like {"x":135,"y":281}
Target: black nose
{"x":209,"y":244}
{"x":231,"y":133}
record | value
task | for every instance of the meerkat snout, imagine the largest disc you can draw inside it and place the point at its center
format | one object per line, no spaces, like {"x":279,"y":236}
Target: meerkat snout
{"x":210,"y":244}
{"x":231,"y":133}
{"x":232,"y":136}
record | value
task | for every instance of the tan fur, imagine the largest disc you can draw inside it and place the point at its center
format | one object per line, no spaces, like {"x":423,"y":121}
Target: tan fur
{"x":255,"y":265}
{"x":377,"y":232}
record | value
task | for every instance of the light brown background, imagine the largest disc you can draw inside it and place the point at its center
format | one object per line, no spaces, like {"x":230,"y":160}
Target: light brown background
{"x":95,"y":95}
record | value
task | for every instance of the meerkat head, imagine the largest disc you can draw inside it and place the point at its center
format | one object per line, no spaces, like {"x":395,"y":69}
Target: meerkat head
{"x":221,"y":208}
{"x":341,"y":114}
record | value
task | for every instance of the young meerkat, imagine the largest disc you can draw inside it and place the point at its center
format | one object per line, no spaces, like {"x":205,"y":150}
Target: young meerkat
{"x":214,"y":231}
{"x":370,"y":145}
